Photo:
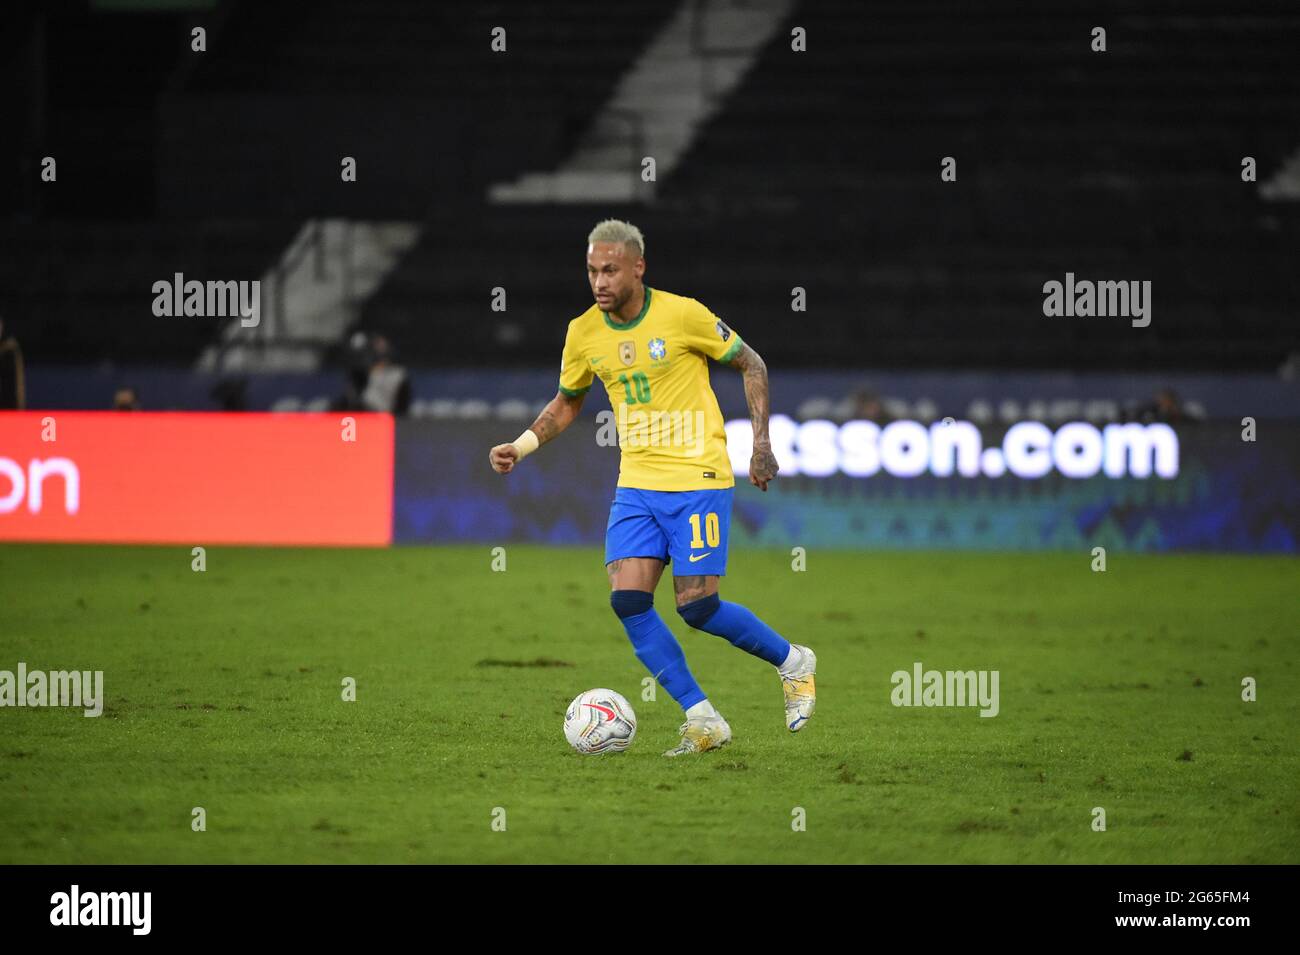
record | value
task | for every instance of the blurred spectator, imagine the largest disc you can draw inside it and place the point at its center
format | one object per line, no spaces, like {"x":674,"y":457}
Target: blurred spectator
{"x":1290,"y":369}
{"x":358,"y":360}
{"x":231,"y":394}
{"x":358,"y":368}
{"x":388,"y":387}
{"x":867,"y":406}
{"x":12,"y":396}
{"x":126,"y":399}
{"x":1165,"y":407}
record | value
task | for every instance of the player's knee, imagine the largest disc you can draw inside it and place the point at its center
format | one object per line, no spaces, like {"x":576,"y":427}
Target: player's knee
{"x":630,"y":603}
{"x":697,"y":613}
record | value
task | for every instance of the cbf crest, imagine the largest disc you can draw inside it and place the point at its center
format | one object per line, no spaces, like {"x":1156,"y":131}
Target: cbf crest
{"x":657,"y":349}
{"x":627,"y":352}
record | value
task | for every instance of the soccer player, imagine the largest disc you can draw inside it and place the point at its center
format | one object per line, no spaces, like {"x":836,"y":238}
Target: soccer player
{"x":650,"y":349}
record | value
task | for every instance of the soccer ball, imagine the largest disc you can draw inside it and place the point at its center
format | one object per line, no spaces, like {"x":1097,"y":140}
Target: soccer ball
{"x":599,"y":721}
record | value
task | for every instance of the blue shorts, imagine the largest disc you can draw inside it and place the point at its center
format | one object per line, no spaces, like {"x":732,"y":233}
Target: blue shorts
{"x":690,"y":527}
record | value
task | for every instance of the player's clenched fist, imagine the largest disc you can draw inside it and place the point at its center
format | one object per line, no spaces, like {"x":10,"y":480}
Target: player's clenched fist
{"x":503,"y":458}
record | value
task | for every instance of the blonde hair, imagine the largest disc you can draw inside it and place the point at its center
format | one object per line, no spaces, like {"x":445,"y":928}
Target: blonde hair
{"x":616,"y":230}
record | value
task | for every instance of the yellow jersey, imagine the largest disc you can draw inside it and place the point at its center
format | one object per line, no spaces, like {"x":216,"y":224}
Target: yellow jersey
{"x":655,"y":370}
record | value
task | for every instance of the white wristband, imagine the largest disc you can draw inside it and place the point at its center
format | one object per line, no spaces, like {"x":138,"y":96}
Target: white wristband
{"x":526,"y":444}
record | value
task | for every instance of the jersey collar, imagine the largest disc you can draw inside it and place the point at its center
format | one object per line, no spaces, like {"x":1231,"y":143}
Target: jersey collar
{"x":625,"y":326}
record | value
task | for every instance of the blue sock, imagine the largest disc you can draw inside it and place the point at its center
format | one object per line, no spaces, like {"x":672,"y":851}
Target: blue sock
{"x":738,"y":625}
{"x":655,"y":645}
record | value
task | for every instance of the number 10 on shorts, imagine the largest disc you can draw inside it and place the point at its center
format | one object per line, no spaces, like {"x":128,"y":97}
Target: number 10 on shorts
{"x":711,"y":530}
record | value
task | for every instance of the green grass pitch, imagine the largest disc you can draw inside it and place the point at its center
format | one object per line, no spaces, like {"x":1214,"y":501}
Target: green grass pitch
{"x":1119,"y":690}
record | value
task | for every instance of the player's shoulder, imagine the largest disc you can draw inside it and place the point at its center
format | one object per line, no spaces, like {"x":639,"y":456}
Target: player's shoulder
{"x":673,"y":301}
{"x":586,"y":323}
{"x":680,"y":306}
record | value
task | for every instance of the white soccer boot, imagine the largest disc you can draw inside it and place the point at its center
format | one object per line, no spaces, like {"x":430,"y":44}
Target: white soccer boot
{"x":800,"y":690}
{"x":702,"y":734}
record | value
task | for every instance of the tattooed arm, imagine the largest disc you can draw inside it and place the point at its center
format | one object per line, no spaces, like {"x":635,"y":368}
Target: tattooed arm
{"x":762,"y":465}
{"x":555,"y":417}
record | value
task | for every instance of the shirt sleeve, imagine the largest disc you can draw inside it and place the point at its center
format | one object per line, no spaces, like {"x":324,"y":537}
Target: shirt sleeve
{"x":704,"y":332}
{"x":575,"y":373}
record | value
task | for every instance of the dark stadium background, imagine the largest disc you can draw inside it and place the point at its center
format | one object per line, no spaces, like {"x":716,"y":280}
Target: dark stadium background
{"x":817,"y":169}
{"x":411,"y":319}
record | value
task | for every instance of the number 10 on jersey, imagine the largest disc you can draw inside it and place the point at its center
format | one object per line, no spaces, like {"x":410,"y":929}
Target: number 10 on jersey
{"x":638,"y":390}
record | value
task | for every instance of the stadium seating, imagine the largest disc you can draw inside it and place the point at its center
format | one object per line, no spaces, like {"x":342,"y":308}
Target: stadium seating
{"x":82,"y":291}
{"x":821,"y":172}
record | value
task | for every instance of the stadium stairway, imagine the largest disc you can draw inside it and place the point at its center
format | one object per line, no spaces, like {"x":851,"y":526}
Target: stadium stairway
{"x":680,"y":79}
{"x":822,"y":172}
